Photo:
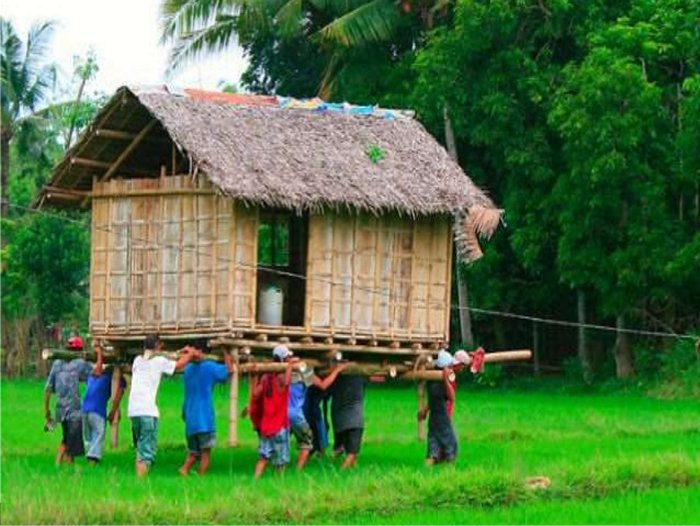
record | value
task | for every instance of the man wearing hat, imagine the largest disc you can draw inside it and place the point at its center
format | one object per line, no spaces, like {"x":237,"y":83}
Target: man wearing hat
{"x":63,"y":381}
{"x":442,"y":440}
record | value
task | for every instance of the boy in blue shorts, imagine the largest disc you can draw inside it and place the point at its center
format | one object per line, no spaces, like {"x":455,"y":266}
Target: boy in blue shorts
{"x":198,"y":410}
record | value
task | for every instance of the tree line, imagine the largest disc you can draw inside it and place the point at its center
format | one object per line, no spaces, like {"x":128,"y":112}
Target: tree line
{"x":580,"y":118}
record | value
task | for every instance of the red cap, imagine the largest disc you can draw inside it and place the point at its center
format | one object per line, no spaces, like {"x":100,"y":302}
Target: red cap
{"x":75,"y":342}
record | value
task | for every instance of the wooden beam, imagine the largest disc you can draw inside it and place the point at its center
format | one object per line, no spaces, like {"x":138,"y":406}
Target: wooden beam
{"x":127,"y":151}
{"x":82,"y":143}
{"x":294,"y":346}
{"x":114,"y":134}
{"x":92,"y":163}
{"x":67,"y":191}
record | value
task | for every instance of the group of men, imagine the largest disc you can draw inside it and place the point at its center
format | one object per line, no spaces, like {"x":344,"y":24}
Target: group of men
{"x":281,"y":405}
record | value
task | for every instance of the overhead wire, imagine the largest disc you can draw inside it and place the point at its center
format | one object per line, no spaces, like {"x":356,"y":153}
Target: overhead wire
{"x":372,"y":290}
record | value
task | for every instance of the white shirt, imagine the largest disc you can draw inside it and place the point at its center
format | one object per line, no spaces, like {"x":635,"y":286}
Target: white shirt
{"x":145,"y":379}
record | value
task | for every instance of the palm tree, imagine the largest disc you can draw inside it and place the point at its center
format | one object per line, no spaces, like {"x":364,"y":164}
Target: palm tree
{"x":198,"y":27}
{"x":26,"y":79}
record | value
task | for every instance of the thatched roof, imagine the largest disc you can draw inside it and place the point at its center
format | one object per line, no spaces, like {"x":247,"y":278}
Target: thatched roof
{"x":254,"y":151}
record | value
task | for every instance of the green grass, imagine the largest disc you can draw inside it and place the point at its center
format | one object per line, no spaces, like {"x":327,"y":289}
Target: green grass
{"x":611,"y":459}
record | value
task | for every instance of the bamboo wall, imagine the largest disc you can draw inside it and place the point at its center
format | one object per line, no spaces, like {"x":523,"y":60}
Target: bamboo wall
{"x":171,"y":256}
{"x":384,"y":276}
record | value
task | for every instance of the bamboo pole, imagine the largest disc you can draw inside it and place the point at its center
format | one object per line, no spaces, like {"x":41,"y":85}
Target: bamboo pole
{"x":112,"y":357}
{"x":62,"y":354}
{"x":494,"y":357}
{"x":233,"y":403}
{"x":114,"y":435}
{"x":338,"y":347}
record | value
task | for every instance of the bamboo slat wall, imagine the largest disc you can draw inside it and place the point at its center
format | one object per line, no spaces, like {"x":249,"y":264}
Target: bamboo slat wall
{"x":388,"y":277}
{"x":169,"y":253}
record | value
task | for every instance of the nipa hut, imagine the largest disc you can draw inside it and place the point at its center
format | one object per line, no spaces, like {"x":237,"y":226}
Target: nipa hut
{"x":250,"y":218}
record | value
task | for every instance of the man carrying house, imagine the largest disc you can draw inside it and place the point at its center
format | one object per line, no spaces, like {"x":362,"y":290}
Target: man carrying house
{"x":301,"y":381}
{"x":97,"y":394}
{"x":442,"y":440}
{"x":63,"y":381}
{"x":146,"y":373}
{"x":347,"y":415}
{"x":273,"y":393}
{"x":198,"y":410}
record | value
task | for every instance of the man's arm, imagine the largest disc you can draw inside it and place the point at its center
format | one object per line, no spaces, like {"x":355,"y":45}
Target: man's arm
{"x":287,"y":378}
{"x":449,"y":388}
{"x":47,"y":403}
{"x":99,"y":364}
{"x":257,"y":389}
{"x":183,"y":360}
{"x":328,"y":380}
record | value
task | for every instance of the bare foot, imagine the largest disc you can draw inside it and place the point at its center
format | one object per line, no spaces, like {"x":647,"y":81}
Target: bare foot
{"x":184,"y":472}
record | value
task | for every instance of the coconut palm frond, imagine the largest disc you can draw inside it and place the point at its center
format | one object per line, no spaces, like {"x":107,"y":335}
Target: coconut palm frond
{"x":290,"y":18}
{"x":183,"y":17}
{"x":214,"y":38}
{"x":374,"y":21}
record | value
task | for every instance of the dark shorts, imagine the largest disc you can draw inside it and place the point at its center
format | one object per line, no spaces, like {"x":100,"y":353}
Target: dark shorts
{"x":197,"y":442}
{"x":442,"y":444}
{"x":349,"y":440}
{"x":73,"y":437}
{"x":303,"y":434}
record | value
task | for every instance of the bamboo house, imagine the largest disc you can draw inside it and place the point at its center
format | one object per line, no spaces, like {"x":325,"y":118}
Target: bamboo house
{"x":246,"y":219}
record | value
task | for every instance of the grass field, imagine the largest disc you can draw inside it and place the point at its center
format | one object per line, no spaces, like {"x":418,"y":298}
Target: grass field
{"x":611,"y":459}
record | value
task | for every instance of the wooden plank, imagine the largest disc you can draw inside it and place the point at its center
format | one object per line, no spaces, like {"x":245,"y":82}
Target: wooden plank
{"x":106,"y":133}
{"x":90,"y":163}
{"x":127,"y":151}
{"x":154,"y":192}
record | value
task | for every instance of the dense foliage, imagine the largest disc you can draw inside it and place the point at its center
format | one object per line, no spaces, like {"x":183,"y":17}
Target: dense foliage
{"x":45,"y":255}
{"x":579,"y":117}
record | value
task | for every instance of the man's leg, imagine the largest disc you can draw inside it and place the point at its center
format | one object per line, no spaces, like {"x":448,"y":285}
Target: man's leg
{"x":193,"y":453}
{"x":189,"y":462}
{"x":265,"y":452}
{"x":353,"y":441}
{"x":96,"y":433}
{"x":204,"y":461}
{"x":305,"y":442}
{"x":260,"y":468}
{"x":206,"y":444}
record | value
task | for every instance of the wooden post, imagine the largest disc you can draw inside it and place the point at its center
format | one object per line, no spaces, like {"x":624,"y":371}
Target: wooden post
{"x":233,"y":404}
{"x":536,"y":348}
{"x":421,"y":405}
{"x":114,"y":436}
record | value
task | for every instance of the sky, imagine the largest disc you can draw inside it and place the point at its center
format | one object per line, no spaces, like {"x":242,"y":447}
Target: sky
{"x":125,"y":38}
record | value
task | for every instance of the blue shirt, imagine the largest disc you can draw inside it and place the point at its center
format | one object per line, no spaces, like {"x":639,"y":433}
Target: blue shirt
{"x":297,"y":394}
{"x":99,"y":391}
{"x":198,"y":409}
